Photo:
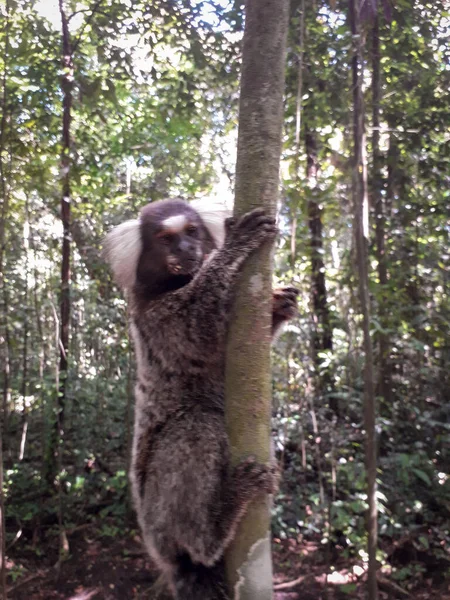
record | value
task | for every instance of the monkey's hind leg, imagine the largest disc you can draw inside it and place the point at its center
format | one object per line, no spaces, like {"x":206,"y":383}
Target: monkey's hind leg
{"x":194,"y":581}
{"x":248,"y":480}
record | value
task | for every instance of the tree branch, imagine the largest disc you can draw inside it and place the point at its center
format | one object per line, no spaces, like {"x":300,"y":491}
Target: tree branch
{"x":85,"y":24}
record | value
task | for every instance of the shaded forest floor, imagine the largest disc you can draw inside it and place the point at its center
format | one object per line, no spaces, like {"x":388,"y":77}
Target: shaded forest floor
{"x":115,"y":568}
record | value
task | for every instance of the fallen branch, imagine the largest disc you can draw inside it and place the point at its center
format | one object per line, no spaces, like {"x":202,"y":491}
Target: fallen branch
{"x":289,"y":584}
{"x":391,"y":587}
{"x":13,"y":588}
{"x":80,"y":528}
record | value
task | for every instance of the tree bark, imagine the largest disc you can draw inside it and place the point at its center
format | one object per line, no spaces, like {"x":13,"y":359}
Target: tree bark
{"x":248,"y":405}
{"x":40,"y":323}
{"x":298,"y":125}
{"x":66,"y":85}
{"x":384,"y":374}
{"x":3,"y":219}
{"x":54,"y":455}
{"x":322,"y":336}
{"x":64,"y":321}
{"x":5,"y":355}
{"x":359,"y":194}
{"x":322,"y":331}
{"x":26,"y":325}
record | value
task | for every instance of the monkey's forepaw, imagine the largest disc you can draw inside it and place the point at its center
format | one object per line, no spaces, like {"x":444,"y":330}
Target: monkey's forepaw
{"x":285,"y":304}
{"x":249,"y":232}
{"x":255,"y":478}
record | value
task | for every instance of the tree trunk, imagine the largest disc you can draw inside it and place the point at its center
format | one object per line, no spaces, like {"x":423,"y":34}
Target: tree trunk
{"x":384,"y":374}
{"x":359,"y":193}
{"x":298,"y":125}
{"x":54,"y":458}
{"x":64,"y":323}
{"x":5,"y":355}
{"x":40,"y":323}
{"x":248,"y":407}
{"x":66,"y":85}
{"x":24,"y":386}
{"x":322,"y":337}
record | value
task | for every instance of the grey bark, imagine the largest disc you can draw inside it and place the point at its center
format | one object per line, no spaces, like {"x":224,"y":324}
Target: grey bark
{"x":248,"y":405}
{"x":298,"y":124}
{"x":384,"y":375}
{"x":5,"y":353}
{"x":359,"y":197}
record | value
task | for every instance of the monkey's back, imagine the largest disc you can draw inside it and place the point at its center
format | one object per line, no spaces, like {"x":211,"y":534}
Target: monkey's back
{"x":180,"y":448}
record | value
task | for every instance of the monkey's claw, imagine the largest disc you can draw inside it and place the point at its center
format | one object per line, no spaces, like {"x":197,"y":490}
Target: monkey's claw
{"x":251,"y":230}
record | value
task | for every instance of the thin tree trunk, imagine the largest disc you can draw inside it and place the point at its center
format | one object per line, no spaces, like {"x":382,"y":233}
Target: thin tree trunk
{"x":248,"y":406}
{"x":42,"y":349}
{"x":24,"y":387}
{"x":66,"y":86}
{"x":322,"y":339}
{"x":3,"y":295}
{"x":384,"y":375}
{"x":298,"y":124}
{"x":317,"y":451}
{"x":393,"y":156}
{"x":359,"y":193}
{"x":322,"y":334}
{"x":57,"y":434}
{"x":3,"y":220}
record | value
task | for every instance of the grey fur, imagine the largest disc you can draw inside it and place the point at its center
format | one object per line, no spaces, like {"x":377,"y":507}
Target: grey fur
{"x":188,"y":499}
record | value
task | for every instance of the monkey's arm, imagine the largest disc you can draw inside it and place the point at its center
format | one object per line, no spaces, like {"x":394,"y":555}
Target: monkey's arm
{"x":210,"y":293}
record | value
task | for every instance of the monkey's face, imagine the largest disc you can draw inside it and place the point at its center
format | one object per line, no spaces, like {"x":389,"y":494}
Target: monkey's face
{"x":175,"y":243}
{"x":179,"y":243}
{"x":165,"y":247}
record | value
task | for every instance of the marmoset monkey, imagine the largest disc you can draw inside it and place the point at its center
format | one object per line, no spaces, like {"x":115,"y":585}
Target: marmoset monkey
{"x":179,"y":267}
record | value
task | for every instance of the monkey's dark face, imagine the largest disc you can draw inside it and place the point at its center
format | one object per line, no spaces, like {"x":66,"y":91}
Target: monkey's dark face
{"x":165,"y":247}
{"x":175,"y":243}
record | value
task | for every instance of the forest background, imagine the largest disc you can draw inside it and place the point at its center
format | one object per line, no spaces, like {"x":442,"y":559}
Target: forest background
{"x":108,"y":105}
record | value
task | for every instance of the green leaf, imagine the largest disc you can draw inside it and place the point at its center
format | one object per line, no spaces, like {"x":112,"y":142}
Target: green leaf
{"x":423,"y":476}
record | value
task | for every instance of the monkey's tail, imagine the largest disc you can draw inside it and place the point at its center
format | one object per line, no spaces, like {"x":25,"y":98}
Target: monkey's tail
{"x":197,"y":582}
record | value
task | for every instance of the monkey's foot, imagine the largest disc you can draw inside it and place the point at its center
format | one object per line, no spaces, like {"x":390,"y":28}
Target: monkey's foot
{"x":285,"y":303}
{"x":254,"y":478}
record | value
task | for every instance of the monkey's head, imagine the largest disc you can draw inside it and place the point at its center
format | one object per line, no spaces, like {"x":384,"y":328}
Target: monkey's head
{"x":163,"y":249}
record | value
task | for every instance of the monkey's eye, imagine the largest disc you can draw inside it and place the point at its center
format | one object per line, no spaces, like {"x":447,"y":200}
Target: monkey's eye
{"x":191,"y":230}
{"x":165,"y":238}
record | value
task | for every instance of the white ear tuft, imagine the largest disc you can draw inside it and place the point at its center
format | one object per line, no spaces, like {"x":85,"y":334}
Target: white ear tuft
{"x":122,"y":248}
{"x":213,"y":216}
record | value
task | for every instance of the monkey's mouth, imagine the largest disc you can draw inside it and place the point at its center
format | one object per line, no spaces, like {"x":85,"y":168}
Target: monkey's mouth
{"x":177,"y":270}
{"x":187,"y":267}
